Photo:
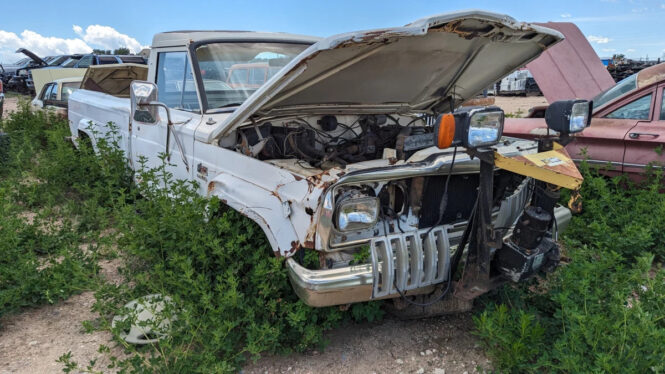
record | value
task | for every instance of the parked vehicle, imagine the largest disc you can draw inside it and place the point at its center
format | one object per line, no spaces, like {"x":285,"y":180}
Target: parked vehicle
{"x":55,"y":95}
{"x":627,"y":127}
{"x":350,"y":149}
{"x":519,"y":82}
{"x":113,"y":80}
{"x":84,"y":61}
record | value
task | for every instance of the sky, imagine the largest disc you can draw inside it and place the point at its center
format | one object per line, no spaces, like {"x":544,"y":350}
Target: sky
{"x":48,"y":27}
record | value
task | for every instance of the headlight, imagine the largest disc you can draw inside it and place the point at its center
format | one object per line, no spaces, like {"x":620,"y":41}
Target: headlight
{"x":485,"y":128}
{"x":569,"y":116}
{"x":357,"y":213}
{"x":472,"y":127}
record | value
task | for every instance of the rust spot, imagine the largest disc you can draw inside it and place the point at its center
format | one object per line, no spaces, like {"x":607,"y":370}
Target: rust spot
{"x":211,"y":187}
{"x":294,"y":246}
{"x":392,"y":160}
{"x":309,"y":211}
{"x":224,"y":201}
{"x":297,"y":177}
{"x":308,"y":244}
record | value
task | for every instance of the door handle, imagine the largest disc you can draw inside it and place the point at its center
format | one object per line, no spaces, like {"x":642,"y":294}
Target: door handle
{"x":635,"y":135}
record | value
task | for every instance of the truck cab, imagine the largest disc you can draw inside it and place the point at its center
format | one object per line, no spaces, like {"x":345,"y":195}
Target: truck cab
{"x":331,"y":147}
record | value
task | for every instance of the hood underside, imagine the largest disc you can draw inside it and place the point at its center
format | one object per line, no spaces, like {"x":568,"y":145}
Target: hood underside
{"x":113,"y":79}
{"x":428,"y":66}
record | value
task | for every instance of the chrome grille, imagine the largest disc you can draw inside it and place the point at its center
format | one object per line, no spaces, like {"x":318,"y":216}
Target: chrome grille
{"x":409,"y":261}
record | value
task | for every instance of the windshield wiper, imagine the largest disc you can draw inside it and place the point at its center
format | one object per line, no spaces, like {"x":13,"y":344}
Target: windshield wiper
{"x":228,"y":105}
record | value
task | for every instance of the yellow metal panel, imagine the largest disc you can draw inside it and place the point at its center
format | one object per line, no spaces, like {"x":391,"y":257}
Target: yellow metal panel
{"x":554,"y":167}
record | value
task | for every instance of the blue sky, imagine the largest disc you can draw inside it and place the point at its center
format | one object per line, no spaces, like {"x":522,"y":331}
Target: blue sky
{"x":630,"y":27}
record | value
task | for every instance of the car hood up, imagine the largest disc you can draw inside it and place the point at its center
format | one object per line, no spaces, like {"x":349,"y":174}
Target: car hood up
{"x":113,"y":79}
{"x":429,"y":65}
{"x":32,"y":56}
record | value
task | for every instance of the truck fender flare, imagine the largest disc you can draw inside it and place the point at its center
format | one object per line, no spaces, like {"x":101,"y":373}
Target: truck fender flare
{"x":261,"y":206}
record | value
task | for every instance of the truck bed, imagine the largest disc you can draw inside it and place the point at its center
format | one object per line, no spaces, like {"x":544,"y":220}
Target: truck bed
{"x":98,"y":116}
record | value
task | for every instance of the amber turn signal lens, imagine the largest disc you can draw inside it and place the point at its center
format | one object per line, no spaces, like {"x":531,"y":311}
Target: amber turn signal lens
{"x":446,"y":133}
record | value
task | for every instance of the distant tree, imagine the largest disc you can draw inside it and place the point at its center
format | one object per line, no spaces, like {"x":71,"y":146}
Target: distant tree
{"x":121,"y":51}
{"x":618,"y":57}
{"x":101,"y":51}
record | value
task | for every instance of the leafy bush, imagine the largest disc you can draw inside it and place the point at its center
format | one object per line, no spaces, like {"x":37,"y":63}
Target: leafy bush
{"x":44,"y":257}
{"x":602,"y":311}
{"x":232,"y":295}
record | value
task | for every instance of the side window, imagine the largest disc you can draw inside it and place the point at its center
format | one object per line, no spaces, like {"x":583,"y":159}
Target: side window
{"x":257,"y":76}
{"x":107,"y":60}
{"x":53,"y":94}
{"x":662,"y":107}
{"x":85,"y":61}
{"x":175,"y":81}
{"x":637,"y":109}
{"x":46,"y":92}
{"x":67,"y":89}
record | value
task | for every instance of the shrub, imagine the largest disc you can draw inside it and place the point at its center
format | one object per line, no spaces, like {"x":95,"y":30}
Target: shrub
{"x":602,"y":311}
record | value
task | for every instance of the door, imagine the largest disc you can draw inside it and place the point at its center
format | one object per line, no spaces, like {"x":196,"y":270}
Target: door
{"x":645,"y":141}
{"x":603,"y":142}
{"x":177,"y":90}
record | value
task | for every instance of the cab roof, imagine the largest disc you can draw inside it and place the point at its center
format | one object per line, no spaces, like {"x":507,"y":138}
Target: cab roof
{"x":185,"y":37}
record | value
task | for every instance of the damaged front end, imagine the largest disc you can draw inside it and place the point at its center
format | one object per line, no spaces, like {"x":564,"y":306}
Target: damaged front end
{"x":400,"y":231}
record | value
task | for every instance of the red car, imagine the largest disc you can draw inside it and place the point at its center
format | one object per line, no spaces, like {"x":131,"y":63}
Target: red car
{"x":627,"y":127}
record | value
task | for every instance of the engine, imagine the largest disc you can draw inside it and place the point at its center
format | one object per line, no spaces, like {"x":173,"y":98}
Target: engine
{"x":329,"y":142}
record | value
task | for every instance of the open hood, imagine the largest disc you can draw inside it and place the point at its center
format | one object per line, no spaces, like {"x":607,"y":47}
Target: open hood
{"x":571,"y":69}
{"x":428,"y":65}
{"x":32,"y":56}
{"x":113,"y":79}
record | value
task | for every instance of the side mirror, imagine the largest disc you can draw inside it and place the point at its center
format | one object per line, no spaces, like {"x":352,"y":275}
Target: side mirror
{"x":569,"y":116}
{"x":142,"y":96}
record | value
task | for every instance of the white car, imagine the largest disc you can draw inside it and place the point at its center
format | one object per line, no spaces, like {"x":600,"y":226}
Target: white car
{"x":54,"y":95}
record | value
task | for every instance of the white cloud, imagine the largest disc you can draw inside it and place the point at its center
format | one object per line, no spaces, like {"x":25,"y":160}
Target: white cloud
{"x":662,"y":6}
{"x":630,"y":50}
{"x":609,"y":50}
{"x":39,"y":44}
{"x":598,"y":39}
{"x":106,"y":37}
{"x":94,"y":36}
{"x":566,"y":15}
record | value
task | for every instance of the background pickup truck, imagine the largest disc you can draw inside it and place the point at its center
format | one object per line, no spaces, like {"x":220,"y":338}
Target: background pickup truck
{"x":333,"y":151}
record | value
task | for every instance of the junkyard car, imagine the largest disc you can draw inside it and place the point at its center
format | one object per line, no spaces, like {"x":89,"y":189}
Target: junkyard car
{"x":350,"y":149}
{"x":627,"y":129}
{"x":109,"y":79}
{"x":55,"y":95}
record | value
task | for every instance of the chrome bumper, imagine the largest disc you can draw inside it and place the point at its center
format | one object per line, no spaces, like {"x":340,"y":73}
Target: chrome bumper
{"x":352,"y":284}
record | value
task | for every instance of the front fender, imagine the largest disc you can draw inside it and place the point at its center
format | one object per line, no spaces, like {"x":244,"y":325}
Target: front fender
{"x":262,"y":206}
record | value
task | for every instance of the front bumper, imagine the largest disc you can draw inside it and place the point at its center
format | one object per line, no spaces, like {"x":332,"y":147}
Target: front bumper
{"x":352,"y":284}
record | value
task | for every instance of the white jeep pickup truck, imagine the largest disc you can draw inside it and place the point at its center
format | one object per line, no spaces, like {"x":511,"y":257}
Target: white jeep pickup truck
{"x":329,"y":144}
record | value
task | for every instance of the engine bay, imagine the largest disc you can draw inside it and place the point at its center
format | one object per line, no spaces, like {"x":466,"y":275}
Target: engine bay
{"x":330,"y":141}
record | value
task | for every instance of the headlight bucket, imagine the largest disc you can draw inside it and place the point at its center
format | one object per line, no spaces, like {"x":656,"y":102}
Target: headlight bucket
{"x":357,"y":213}
{"x":569,"y":116}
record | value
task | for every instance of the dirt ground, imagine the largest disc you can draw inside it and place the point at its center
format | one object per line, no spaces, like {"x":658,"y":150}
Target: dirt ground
{"x":32,"y":341}
{"x":9,"y":106}
{"x":519,"y":104}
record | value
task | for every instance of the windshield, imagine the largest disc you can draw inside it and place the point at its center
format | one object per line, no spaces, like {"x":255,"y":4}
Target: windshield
{"x":231,"y":72}
{"x":626,"y":85}
{"x":57,"y":60}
